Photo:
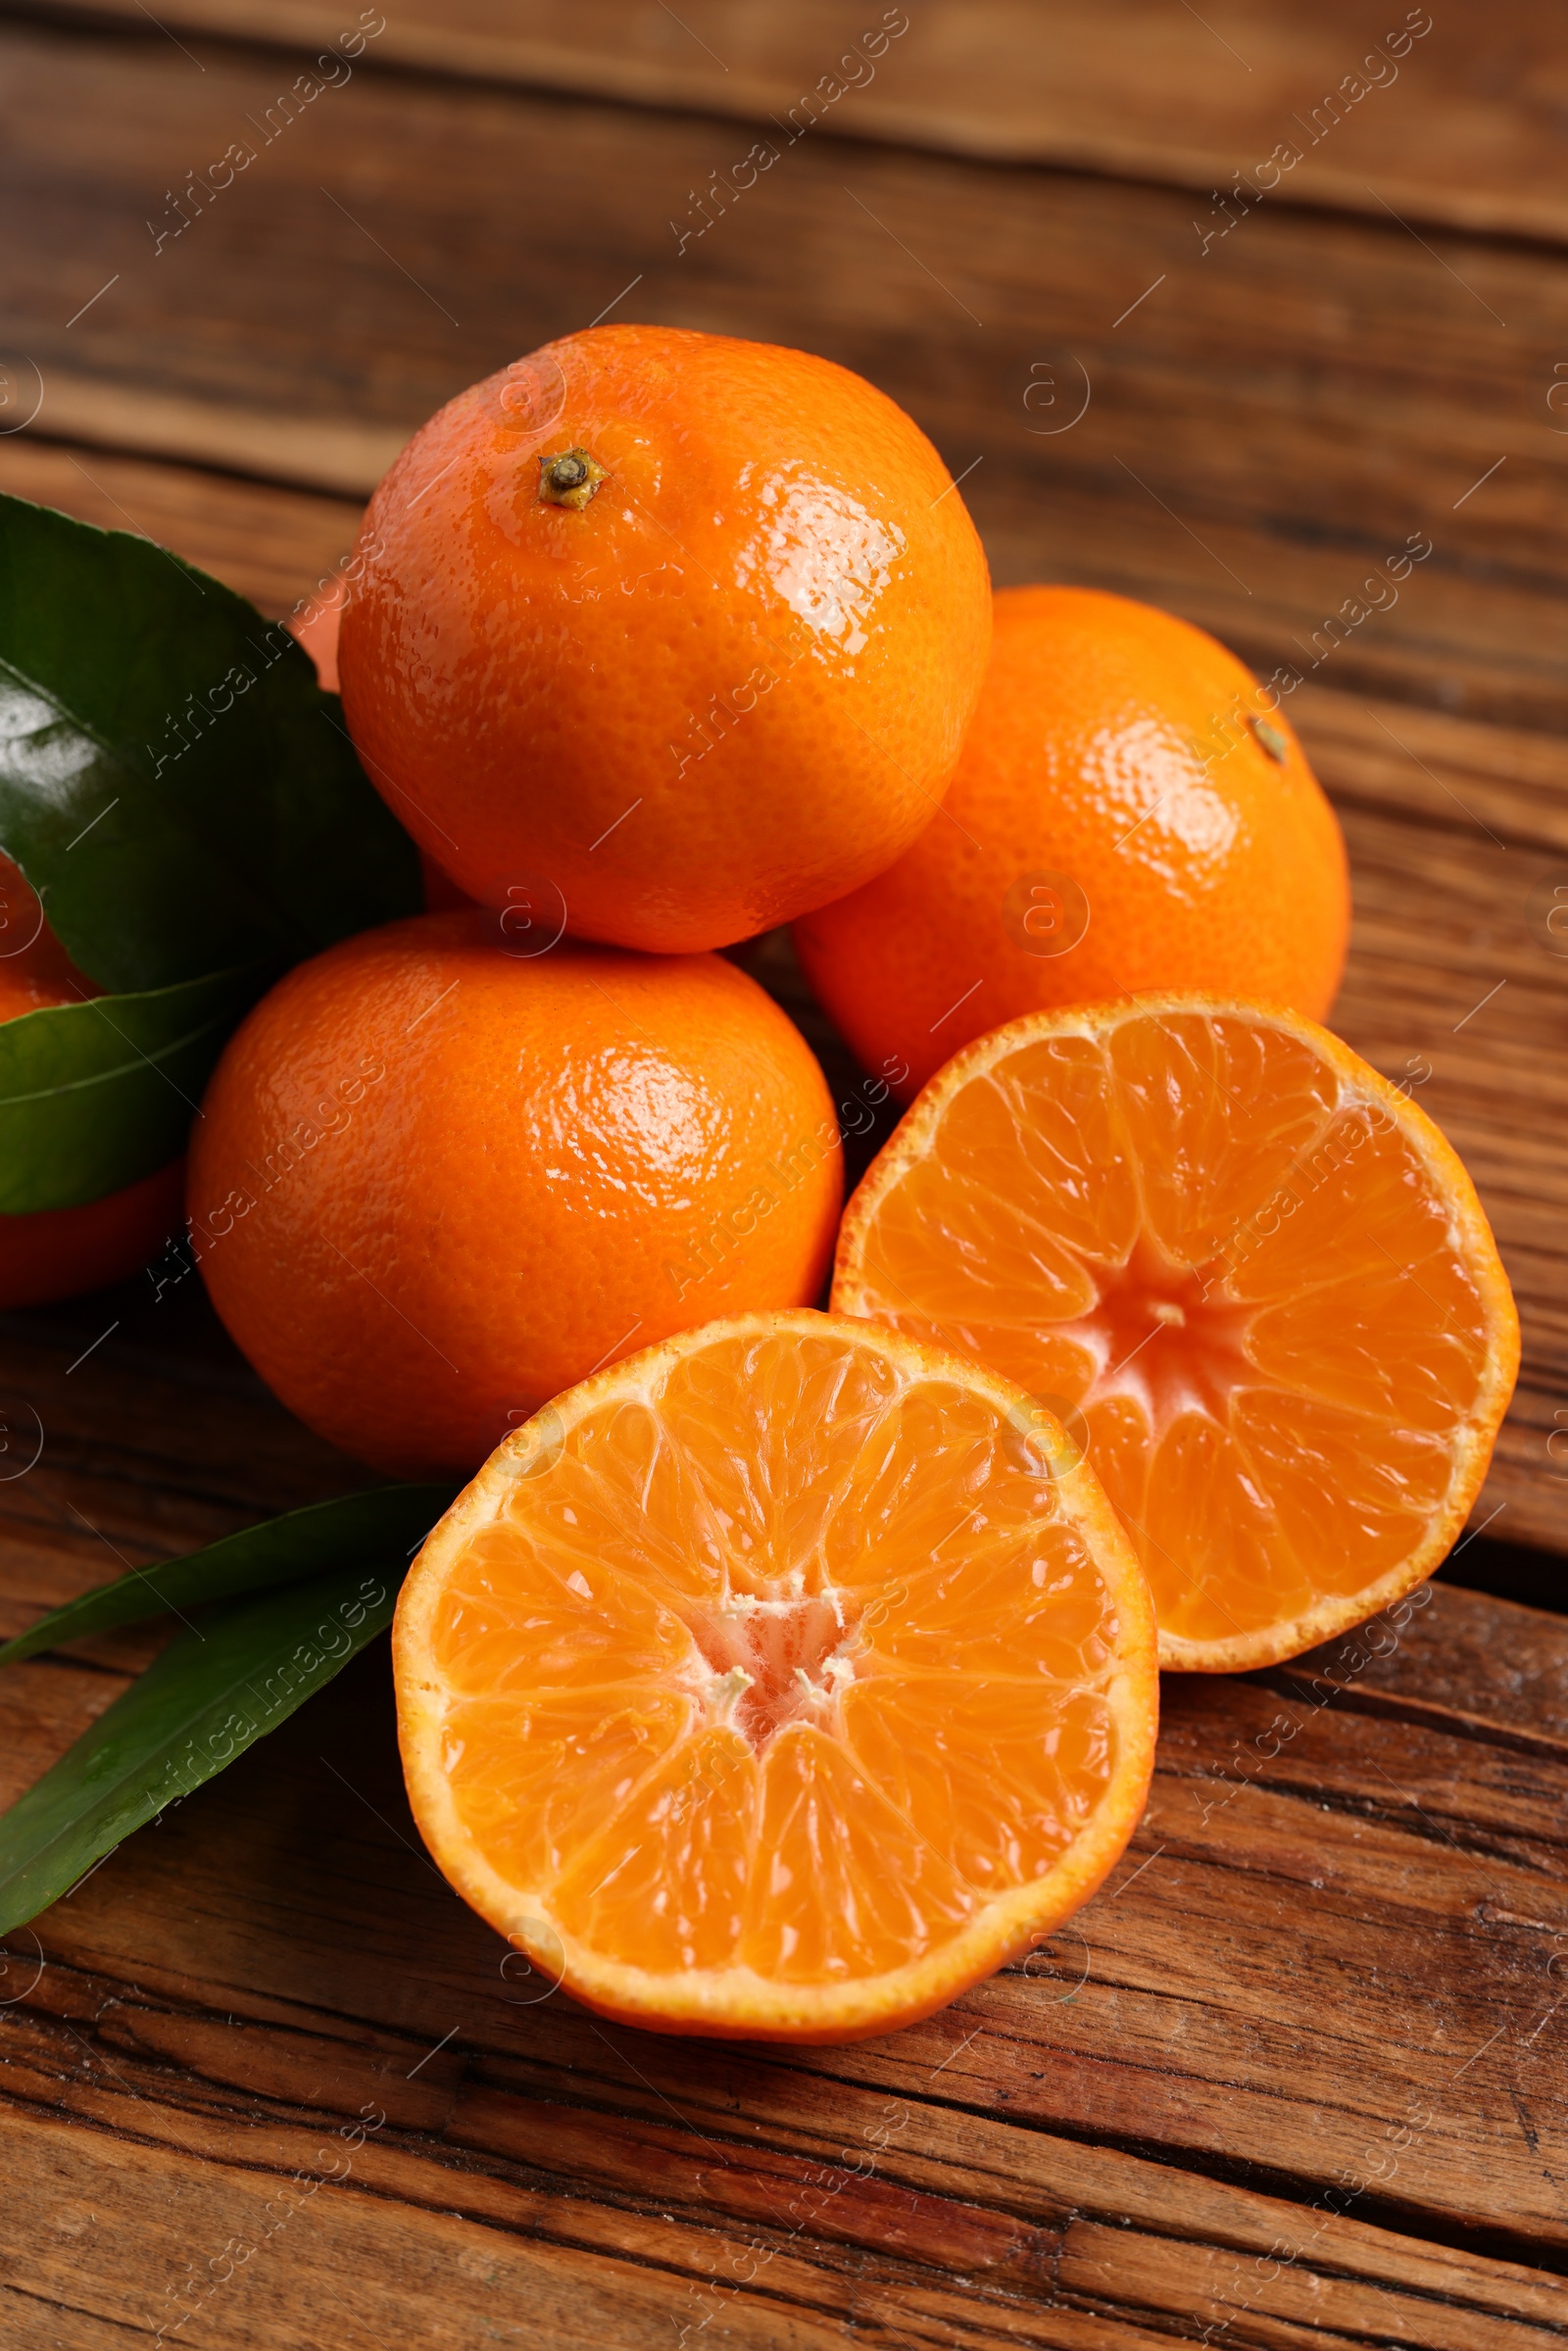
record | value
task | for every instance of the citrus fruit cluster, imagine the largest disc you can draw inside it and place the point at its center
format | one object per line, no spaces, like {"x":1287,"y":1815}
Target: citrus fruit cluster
{"x":780,"y":1672}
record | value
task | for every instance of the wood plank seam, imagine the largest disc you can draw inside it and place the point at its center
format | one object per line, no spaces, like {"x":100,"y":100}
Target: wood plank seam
{"x":1291,"y":2191}
{"x":1072,"y":122}
{"x":911,"y":2272}
{"x":462,"y":2163}
{"x":1451,"y":2300}
{"x":1380,"y":1707}
{"x":35,"y":2297}
{"x":1385,"y":1814}
{"x":203,"y":2096}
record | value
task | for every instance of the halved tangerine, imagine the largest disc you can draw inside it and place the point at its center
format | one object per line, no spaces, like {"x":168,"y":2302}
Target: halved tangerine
{"x":778,"y":1681}
{"x":1248,"y":1274}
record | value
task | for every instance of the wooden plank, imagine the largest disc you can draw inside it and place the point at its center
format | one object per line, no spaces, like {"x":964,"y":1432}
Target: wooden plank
{"x":162,"y":1441}
{"x":1298,"y":2076}
{"x":315,"y":452}
{"x":1456,"y":985}
{"x":1265,"y":427}
{"x":276,"y":546}
{"x":988,"y":2196}
{"x":1313,"y":1973}
{"x":1456,"y":989}
{"x":1468,"y":1664}
{"x":1451,"y":125}
{"x":133,"y":2233}
{"x":728,"y":2217}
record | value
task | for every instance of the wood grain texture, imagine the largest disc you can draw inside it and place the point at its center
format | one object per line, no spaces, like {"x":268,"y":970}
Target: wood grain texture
{"x":276,"y":546}
{"x":1265,"y":427}
{"x":1457,"y":983}
{"x":1296,"y":2075}
{"x":1458,"y":127}
{"x":1458,"y":986}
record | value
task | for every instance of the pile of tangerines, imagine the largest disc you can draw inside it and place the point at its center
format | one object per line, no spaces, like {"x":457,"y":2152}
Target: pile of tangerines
{"x":781,"y":1671}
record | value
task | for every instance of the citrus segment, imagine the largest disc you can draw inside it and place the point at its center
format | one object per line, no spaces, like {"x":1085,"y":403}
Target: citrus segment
{"x":1252,"y":1276}
{"x":573,"y":1751}
{"x":780,"y":1681}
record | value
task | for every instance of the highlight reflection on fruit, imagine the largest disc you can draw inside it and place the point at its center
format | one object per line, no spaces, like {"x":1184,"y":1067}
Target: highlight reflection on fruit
{"x":436,"y":1181}
{"x":686,"y":628}
{"x":778,"y":1674}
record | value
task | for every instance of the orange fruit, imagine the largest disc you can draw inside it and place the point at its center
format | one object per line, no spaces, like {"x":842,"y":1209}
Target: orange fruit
{"x":684,"y":629}
{"x":55,"y":1252}
{"x":317,"y":627}
{"x":1247,"y":1273}
{"x":774,"y":1684}
{"x":1128,"y":812}
{"x":434,"y":1180}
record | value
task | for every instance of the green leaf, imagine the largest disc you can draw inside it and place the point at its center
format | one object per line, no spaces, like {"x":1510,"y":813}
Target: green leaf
{"x":94,"y":1095}
{"x":387,"y":1522}
{"x":172,"y":781}
{"x":214,"y":1690}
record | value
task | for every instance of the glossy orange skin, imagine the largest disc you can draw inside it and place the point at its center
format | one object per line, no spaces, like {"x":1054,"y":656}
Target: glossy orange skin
{"x":1112,"y":747}
{"x":435,"y":1183}
{"x":55,"y":1252}
{"x":729,"y":688}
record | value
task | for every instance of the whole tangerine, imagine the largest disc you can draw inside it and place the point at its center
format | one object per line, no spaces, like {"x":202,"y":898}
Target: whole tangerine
{"x":436,"y":1181}
{"x":1129,"y":812}
{"x":675,"y":633}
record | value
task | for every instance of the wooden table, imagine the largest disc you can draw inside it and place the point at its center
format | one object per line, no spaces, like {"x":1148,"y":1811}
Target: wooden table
{"x":1297,"y":2075}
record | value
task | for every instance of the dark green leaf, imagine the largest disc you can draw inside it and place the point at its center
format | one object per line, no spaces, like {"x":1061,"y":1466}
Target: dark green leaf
{"x":94,"y":1095}
{"x":386,"y":1523}
{"x":172,"y":781}
{"x":214,"y":1690}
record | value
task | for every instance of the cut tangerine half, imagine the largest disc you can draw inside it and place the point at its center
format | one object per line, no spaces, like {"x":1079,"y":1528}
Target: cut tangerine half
{"x":1247,"y":1273}
{"x":779,"y":1681}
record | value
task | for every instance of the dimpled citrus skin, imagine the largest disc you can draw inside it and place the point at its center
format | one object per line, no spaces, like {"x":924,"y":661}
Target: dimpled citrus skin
{"x":1113,"y":748}
{"x":752,"y":653}
{"x":434,"y":1183}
